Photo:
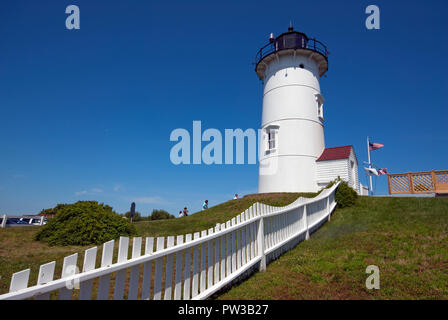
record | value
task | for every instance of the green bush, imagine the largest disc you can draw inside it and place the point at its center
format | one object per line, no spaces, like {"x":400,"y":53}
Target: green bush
{"x":160,"y":215}
{"x":52,"y":211}
{"x":84,"y":223}
{"x":137,"y":216}
{"x":345,"y":196}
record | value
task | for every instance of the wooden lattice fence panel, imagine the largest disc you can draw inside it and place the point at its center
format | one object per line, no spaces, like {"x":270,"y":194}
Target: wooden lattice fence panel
{"x":419,"y":182}
{"x":441,"y":181}
{"x":441,"y":177}
{"x":422,"y":182}
{"x":399,"y":184}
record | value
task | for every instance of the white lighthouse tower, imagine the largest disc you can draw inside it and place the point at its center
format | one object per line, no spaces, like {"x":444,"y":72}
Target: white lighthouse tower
{"x":292,"y":139}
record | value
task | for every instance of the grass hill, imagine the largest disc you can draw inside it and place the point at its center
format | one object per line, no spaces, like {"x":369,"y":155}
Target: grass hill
{"x":19,"y":250}
{"x":218,"y":214}
{"x":407,"y":238}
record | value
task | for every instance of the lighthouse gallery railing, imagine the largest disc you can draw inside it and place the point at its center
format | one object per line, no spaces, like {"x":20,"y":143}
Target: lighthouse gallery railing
{"x":291,"y":41}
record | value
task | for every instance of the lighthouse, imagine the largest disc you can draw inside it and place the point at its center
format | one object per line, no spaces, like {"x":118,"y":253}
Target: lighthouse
{"x":292,"y":125}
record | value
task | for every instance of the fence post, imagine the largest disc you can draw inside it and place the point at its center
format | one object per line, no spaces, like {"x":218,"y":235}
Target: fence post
{"x":388,"y":183}
{"x":434,"y":180}
{"x":305,"y":215}
{"x":41,"y":220}
{"x":260,"y":239}
{"x":411,"y":184}
{"x":328,"y":208}
{"x":3,"y":225}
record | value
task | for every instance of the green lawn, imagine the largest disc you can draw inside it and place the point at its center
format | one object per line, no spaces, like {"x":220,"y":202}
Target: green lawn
{"x":209,"y":218}
{"x":407,"y":238}
{"x":18,"y":250}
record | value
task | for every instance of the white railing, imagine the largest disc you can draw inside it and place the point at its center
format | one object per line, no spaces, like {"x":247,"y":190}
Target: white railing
{"x":183,"y":267}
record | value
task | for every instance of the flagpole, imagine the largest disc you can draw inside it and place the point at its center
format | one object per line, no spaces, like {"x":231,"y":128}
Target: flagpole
{"x":370,"y":165}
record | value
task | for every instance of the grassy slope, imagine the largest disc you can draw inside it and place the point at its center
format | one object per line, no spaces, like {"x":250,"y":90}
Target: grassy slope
{"x":18,"y":250}
{"x":209,"y":218}
{"x":406,"y":238}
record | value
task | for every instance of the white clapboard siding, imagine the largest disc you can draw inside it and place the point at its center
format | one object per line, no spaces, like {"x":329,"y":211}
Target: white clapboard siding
{"x":178,"y":272}
{"x":169,"y":271}
{"x":210,"y":261}
{"x":158,"y":270}
{"x":147,"y":270}
{"x":85,"y":292}
{"x":327,"y":171}
{"x":135,"y":270}
{"x":187,"y":270}
{"x":106,"y":260}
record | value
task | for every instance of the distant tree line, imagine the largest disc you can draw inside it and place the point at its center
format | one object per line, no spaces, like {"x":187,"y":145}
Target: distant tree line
{"x":157,"y":214}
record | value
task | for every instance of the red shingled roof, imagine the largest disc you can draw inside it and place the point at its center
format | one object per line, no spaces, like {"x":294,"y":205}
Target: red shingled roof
{"x":335,"y":153}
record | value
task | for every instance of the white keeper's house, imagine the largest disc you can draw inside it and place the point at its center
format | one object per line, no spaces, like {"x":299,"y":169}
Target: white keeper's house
{"x":338,"y":162}
{"x":293,"y":157}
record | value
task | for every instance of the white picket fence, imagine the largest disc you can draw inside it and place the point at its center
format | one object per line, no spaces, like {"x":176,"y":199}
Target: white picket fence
{"x":183,"y":267}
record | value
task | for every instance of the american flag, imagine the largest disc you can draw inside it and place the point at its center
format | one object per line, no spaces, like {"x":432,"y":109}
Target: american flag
{"x":374,"y":146}
{"x":382,"y":171}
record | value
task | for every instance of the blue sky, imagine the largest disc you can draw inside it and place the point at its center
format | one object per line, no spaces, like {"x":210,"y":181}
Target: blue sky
{"x":87,"y":114}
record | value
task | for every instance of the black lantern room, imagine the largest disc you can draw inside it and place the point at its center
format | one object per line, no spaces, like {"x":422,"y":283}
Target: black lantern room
{"x":290,"y":42}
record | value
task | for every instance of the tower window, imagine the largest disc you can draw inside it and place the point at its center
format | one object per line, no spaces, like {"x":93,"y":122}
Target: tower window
{"x":271,"y":139}
{"x":320,"y":106}
{"x":320,"y":111}
{"x":302,"y":66}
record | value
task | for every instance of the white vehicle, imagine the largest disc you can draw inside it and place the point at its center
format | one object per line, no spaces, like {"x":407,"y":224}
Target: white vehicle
{"x":33,"y":221}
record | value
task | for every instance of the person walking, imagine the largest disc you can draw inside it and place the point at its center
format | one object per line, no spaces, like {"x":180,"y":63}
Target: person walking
{"x":185,"y":212}
{"x":236,"y":196}
{"x":205,"y":205}
{"x":181,"y":214}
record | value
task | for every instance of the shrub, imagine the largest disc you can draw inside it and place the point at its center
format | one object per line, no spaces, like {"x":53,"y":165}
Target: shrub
{"x":345,"y":196}
{"x":160,"y":215}
{"x":52,"y":211}
{"x":137,"y":216}
{"x":84,"y":223}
